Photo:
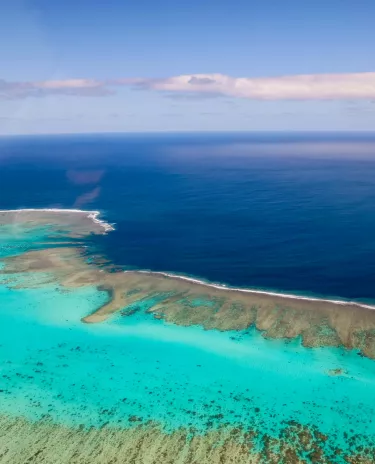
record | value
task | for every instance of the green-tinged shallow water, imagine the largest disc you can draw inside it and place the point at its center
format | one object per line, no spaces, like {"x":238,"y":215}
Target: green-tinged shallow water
{"x":132,"y":369}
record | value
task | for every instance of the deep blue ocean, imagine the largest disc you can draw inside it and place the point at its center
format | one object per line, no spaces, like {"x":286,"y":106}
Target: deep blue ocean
{"x":289,"y":212}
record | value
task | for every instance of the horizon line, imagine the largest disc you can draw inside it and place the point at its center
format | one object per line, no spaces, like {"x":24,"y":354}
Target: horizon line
{"x":187,"y":132}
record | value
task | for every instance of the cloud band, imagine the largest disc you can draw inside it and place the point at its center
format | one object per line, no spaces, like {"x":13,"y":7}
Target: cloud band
{"x":354,"y":86}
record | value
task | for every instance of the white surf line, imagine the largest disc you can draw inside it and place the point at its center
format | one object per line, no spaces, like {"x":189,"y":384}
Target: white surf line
{"x":261,"y":292}
{"x":93,"y":215}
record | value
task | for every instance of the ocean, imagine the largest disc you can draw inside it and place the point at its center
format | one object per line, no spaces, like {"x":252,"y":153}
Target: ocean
{"x":281,"y":212}
{"x":287,"y":212}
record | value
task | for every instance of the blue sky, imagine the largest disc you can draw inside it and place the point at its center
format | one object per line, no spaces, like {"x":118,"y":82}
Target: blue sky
{"x":146,"y":65}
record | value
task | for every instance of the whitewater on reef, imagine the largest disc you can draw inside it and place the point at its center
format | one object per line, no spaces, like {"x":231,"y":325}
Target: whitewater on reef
{"x":248,"y":290}
{"x":93,"y":215}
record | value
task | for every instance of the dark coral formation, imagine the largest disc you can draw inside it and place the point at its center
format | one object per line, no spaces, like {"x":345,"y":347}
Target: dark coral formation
{"x":40,"y":442}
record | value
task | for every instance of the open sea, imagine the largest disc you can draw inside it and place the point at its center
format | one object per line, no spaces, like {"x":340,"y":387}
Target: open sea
{"x":284,"y":212}
{"x":293,"y":213}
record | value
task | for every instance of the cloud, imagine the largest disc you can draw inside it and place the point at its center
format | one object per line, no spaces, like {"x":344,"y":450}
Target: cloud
{"x":192,"y":96}
{"x":354,"y":86}
{"x":78,"y":87}
{"x":195,"y":80}
{"x":300,"y":87}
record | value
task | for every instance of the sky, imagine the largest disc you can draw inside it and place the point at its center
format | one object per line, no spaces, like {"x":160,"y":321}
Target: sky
{"x":225,"y":65}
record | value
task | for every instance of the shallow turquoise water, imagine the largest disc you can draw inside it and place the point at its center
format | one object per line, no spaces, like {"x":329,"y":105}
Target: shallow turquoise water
{"x":136,"y":368}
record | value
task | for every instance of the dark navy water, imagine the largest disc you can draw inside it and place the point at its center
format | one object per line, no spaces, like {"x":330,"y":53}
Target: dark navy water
{"x":289,"y":212}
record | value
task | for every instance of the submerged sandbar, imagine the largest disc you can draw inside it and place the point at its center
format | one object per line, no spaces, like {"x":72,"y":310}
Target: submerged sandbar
{"x":187,"y":301}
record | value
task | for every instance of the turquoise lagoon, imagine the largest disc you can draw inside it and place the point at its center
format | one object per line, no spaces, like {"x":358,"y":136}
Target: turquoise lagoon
{"x":133,"y":369}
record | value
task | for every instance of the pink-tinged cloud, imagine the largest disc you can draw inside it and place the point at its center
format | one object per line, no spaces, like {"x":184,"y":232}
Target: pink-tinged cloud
{"x":355,"y":86}
{"x":69,"y":84}
{"x":303,"y":87}
{"x":73,"y":87}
